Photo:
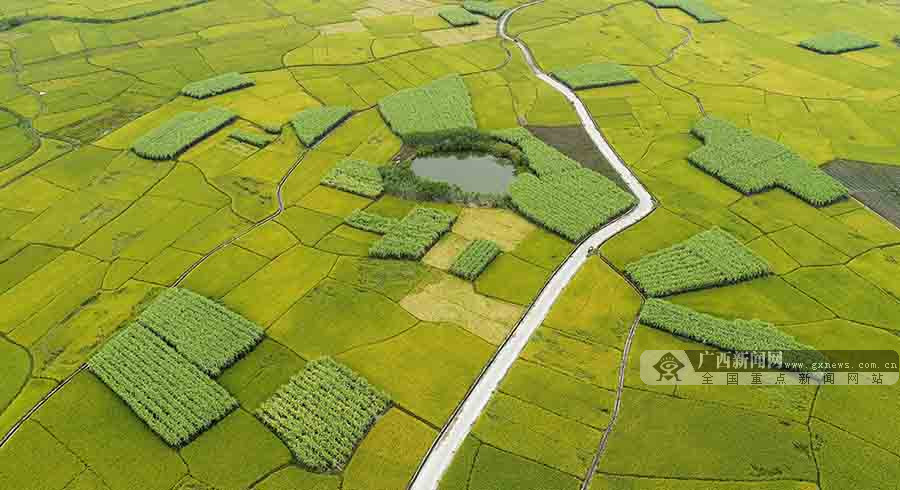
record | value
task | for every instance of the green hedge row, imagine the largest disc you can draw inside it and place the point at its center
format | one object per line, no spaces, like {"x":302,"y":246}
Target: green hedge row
{"x":489,"y":9}
{"x":203,"y":331}
{"x":470,"y":263}
{"x":710,"y":258}
{"x":837,"y":42}
{"x":366,"y":221}
{"x":174,"y":398}
{"x":322,"y":413}
{"x":751,"y":164}
{"x":458,"y":17}
{"x":412,"y":236}
{"x":253,"y":139}
{"x":355,"y":176}
{"x":181,"y":132}
{"x":216,"y":85}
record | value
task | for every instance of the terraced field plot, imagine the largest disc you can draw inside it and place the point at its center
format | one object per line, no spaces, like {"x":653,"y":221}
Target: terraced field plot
{"x":251,"y":216}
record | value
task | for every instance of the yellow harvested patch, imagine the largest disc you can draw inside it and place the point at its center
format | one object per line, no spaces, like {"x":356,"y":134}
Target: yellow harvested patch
{"x":504,"y":227}
{"x":485,"y":29}
{"x":342,"y":27}
{"x":400,"y":6}
{"x":225,"y":30}
{"x":454,"y":300}
{"x":444,"y":253}
{"x":367,"y":13}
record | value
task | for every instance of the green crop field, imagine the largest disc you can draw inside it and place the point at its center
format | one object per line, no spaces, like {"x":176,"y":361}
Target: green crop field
{"x":322,"y":413}
{"x":200,"y":200}
{"x":594,"y":75}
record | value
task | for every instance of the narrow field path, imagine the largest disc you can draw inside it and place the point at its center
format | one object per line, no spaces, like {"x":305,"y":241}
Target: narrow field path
{"x":448,"y":442}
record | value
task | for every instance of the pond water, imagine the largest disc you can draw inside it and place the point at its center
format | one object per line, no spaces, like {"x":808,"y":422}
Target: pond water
{"x":472,"y":172}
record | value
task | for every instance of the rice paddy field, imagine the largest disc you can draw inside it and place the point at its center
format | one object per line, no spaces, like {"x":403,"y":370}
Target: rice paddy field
{"x":205,"y":284}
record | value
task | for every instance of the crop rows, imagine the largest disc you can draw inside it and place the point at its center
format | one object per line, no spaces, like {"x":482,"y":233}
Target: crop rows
{"x":754,"y":164}
{"x":710,"y":258}
{"x":203,"y":331}
{"x":174,"y":398}
{"x":572,"y":204}
{"x":355,"y":176}
{"x":322,"y":413}
{"x":697,"y":9}
{"x":592,"y":75}
{"x":412,"y":236}
{"x":254,"y":139}
{"x":470,"y":263}
{"x":837,"y":42}
{"x":216,"y":85}
{"x":439,"y":109}
{"x":312,"y":124}
{"x":542,"y":158}
{"x":366,"y":221}
{"x":182,"y":131}
{"x":488,"y":9}
{"x":736,"y":335}
{"x":458,"y":17}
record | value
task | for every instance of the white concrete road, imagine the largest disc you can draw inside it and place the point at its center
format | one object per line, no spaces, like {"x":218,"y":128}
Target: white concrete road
{"x":454,"y":433}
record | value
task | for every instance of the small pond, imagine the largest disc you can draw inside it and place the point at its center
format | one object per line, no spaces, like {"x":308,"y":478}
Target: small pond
{"x":472,"y":172}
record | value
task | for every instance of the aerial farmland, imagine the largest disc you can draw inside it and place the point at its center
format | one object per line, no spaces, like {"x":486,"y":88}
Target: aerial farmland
{"x":449,"y":245}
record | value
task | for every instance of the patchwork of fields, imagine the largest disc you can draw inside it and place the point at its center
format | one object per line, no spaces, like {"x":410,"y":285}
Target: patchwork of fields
{"x":324,"y":329}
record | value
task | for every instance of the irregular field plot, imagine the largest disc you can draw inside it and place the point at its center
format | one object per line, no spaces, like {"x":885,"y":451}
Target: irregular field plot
{"x":877,"y":186}
{"x":182,"y":131}
{"x":837,"y":42}
{"x":323,"y":412}
{"x":203,"y":331}
{"x":412,"y":236}
{"x":440,"y":108}
{"x":474,"y":259}
{"x":485,"y":8}
{"x":163,"y":388}
{"x":375,"y":223}
{"x":458,"y":17}
{"x":258,"y":140}
{"x":594,"y":75}
{"x":356,"y":176}
{"x":697,"y":9}
{"x":216,"y":85}
{"x":710,"y":258}
{"x":313,"y":124}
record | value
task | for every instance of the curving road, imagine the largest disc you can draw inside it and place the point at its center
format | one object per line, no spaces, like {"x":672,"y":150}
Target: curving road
{"x":448,"y":442}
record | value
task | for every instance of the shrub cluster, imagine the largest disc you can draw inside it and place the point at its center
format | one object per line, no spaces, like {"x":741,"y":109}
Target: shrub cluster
{"x":412,"y":236}
{"x":355,"y":176}
{"x":254,"y":139}
{"x":697,"y":9}
{"x":710,"y":258}
{"x":174,"y":398}
{"x":322,"y":413}
{"x":753,"y":164}
{"x":366,"y":221}
{"x":736,"y":335}
{"x":181,"y":132}
{"x":837,"y":42}
{"x":432,"y":112}
{"x":458,"y":17}
{"x":312,"y":124}
{"x":203,"y":331}
{"x":217,"y":85}
{"x":592,"y":75}
{"x":474,"y":259}
{"x":571,"y":204}
{"x":489,"y":9}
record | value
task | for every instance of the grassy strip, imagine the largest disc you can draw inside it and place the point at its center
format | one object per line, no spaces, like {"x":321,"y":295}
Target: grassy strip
{"x":697,"y":9}
{"x":174,"y":398}
{"x":542,"y":158}
{"x":753,"y":164}
{"x":591,"y":75}
{"x":710,"y":258}
{"x":837,"y":42}
{"x":217,"y":85}
{"x":13,"y":22}
{"x":736,"y":335}
{"x":474,"y":259}
{"x":431,"y":112}
{"x":458,"y":17}
{"x":203,"y":331}
{"x":312,"y":124}
{"x":571,"y":204}
{"x":375,"y":223}
{"x":355,"y":176}
{"x":412,"y":236}
{"x":253,"y":139}
{"x":181,"y":132}
{"x":488,"y":9}
{"x":322,"y":413}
